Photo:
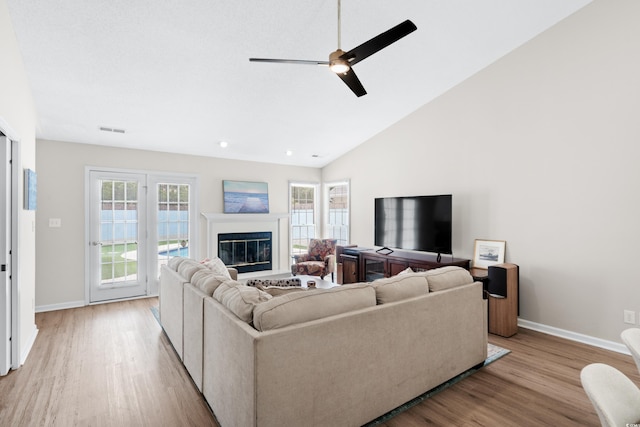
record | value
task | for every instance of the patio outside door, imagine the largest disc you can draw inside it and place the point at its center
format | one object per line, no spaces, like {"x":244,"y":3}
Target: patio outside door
{"x":117,"y":236}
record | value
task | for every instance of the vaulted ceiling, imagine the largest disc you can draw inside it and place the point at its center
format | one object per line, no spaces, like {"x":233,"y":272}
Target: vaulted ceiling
{"x":176,"y":76}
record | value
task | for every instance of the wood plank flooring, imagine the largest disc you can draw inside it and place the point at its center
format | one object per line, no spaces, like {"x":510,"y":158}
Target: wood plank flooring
{"x":111,"y":365}
{"x":102,"y":365}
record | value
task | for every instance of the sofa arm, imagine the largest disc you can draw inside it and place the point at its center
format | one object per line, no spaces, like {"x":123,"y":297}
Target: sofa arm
{"x":233,"y":272}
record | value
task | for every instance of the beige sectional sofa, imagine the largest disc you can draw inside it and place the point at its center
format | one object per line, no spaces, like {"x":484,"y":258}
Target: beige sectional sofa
{"x":325,"y":357}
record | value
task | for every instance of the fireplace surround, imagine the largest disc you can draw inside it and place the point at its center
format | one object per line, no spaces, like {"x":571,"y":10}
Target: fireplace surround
{"x":276,"y":223}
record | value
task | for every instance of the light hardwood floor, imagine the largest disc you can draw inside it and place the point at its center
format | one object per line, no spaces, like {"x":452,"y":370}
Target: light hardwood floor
{"x":111,"y":365}
{"x":102,"y":365}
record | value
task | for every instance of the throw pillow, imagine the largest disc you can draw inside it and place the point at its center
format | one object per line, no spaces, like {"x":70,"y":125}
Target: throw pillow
{"x":292,"y":281}
{"x":217,"y":266}
{"x":240,"y":299}
{"x":405,"y":271}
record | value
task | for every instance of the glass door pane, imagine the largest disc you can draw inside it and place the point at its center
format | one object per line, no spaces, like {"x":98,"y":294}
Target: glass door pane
{"x":173,"y":218}
{"x":117,"y":221}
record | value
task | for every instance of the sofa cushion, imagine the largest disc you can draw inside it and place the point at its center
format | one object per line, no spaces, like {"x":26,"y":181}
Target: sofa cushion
{"x":217,"y":266}
{"x":298,"y":307}
{"x":240,"y":299}
{"x":207,"y":281}
{"x":174,"y":262}
{"x":188,"y":268}
{"x":199,"y":276}
{"x":276,"y":291}
{"x":402,"y":286}
{"x":447,"y":277}
{"x":292,"y":281}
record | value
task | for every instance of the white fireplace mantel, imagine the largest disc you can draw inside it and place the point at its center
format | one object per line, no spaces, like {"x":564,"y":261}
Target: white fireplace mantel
{"x":237,"y":223}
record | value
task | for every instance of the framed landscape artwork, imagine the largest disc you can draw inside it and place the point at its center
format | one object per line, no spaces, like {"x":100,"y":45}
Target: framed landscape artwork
{"x":488,"y":252}
{"x":245,"y":197}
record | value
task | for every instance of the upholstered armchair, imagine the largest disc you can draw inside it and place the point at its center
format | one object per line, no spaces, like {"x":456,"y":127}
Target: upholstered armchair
{"x":614,"y":396}
{"x":319,"y":261}
{"x":631,"y":338}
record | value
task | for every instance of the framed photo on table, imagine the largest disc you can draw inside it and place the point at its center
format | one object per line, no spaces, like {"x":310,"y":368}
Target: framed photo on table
{"x":488,"y":252}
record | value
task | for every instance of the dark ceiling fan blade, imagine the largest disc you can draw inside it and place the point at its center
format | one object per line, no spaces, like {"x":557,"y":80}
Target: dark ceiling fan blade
{"x":289,"y":61}
{"x":351,"y":80}
{"x":379,"y":42}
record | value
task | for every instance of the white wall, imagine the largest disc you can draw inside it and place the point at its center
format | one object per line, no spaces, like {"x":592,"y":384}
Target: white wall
{"x":540,"y":149}
{"x":61,"y":168}
{"x":18,"y":112}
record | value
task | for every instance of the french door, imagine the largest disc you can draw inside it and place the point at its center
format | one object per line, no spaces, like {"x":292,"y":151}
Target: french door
{"x":136,"y":221}
{"x":117,"y":235}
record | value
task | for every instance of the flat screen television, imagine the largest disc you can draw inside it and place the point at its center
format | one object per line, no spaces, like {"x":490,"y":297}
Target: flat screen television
{"x":420,"y":223}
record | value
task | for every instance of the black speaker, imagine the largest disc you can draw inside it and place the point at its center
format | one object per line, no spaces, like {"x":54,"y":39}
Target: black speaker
{"x":503,"y":299}
{"x":499,"y":277}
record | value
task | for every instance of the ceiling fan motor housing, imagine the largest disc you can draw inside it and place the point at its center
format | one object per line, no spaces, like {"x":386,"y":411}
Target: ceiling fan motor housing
{"x":337,"y":64}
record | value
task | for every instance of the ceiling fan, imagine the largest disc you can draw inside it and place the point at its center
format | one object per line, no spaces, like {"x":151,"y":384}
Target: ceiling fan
{"x":341,"y":62}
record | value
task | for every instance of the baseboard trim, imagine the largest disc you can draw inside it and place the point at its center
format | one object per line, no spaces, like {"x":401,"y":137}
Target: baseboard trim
{"x":60,"y":306}
{"x":29,"y":345}
{"x":574,"y":336}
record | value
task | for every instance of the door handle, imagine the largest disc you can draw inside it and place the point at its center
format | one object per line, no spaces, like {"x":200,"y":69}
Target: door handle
{"x":96,"y":243}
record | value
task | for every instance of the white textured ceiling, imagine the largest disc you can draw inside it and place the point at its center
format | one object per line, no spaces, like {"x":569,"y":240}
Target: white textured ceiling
{"x":175,"y":75}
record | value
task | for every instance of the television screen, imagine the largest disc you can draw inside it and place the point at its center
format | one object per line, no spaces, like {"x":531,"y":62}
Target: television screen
{"x":420,"y":223}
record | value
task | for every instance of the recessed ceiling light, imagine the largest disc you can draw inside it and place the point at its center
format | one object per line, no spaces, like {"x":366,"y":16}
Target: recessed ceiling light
{"x":224,"y":144}
{"x":289,"y":153}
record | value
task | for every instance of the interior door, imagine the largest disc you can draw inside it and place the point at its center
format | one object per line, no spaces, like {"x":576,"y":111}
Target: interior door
{"x":117,"y":236}
{"x":5,"y":257}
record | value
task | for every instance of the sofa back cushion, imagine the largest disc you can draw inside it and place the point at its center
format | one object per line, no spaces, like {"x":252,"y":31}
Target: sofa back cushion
{"x":447,"y":277}
{"x":298,"y":307}
{"x":207,"y":281}
{"x":174,"y":262}
{"x":240,"y":299}
{"x":402,"y":286}
{"x":188,"y":268}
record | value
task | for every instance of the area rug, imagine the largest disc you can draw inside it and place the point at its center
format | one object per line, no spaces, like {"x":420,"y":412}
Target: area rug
{"x":494,"y":353}
{"x":156,"y":313}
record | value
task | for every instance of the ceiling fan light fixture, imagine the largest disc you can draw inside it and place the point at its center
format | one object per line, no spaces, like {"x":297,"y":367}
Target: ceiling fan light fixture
{"x":337,"y":64}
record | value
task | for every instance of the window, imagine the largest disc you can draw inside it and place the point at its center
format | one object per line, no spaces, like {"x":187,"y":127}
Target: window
{"x":336,"y":195}
{"x":303,"y":209}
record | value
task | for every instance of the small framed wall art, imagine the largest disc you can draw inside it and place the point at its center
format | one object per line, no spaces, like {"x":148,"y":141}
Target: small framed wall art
{"x":488,"y":252}
{"x":30,"y":189}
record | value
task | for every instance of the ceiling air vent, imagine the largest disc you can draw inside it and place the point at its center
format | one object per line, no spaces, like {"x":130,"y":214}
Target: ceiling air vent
{"x":106,"y":129}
